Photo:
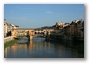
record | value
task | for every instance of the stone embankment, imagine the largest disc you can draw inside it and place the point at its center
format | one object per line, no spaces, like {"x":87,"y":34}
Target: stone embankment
{"x":6,"y":39}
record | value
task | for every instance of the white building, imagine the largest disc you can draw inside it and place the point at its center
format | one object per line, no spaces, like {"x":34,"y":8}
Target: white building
{"x":66,"y":24}
{"x":59,"y":24}
{"x":11,"y":27}
{"x":5,"y":28}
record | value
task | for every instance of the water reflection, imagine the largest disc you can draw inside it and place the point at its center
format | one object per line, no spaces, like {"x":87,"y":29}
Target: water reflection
{"x":38,"y":48}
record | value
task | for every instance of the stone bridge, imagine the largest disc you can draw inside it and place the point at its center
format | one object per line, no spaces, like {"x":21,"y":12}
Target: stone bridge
{"x":30,"y":33}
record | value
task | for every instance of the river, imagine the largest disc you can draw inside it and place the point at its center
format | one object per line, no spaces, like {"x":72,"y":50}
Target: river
{"x":39,"y":48}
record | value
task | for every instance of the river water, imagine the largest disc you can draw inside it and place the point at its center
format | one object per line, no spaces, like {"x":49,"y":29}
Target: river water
{"x":39,"y":48}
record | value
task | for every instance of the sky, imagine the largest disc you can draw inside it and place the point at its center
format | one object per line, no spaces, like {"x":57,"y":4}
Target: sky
{"x":39,"y":15}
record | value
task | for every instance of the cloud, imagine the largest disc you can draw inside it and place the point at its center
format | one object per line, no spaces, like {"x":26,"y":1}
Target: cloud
{"x":49,"y":12}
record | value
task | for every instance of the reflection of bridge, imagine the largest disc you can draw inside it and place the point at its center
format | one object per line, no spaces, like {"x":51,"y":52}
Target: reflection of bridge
{"x":30,"y":33}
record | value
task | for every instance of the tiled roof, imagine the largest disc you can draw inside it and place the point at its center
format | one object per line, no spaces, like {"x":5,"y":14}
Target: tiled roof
{"x":25,"y":29}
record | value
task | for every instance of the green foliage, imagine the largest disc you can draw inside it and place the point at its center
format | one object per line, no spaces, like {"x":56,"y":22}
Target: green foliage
{"x":9,"y":43}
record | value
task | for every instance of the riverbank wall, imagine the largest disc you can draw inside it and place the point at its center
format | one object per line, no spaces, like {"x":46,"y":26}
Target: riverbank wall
{"x":6,"y":39}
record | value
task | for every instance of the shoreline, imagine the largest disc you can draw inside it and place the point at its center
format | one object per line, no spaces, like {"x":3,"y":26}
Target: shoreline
{"x":9,"y":43}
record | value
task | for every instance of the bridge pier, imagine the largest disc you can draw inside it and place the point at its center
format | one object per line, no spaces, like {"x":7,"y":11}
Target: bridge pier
{"x":30,"y":37}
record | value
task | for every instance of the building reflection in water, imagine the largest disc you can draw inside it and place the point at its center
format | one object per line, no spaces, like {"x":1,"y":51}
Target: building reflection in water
{"x":40,"y":48}
{"x":5,"y":52}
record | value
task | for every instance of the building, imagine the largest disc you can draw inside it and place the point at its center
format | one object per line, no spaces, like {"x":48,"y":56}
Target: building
{"x":66,"y":24}
{"x":76,"y":29}
{"x":5,"y":28}
{"x":59,"y":24}
{"x":9,"y":29}
{"x":23,"y":31}
{"x":12,"y":29}
{"x":80,"y":29}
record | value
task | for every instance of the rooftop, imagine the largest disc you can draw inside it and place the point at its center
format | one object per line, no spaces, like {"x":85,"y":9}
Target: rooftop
{"x":25,"y":29}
